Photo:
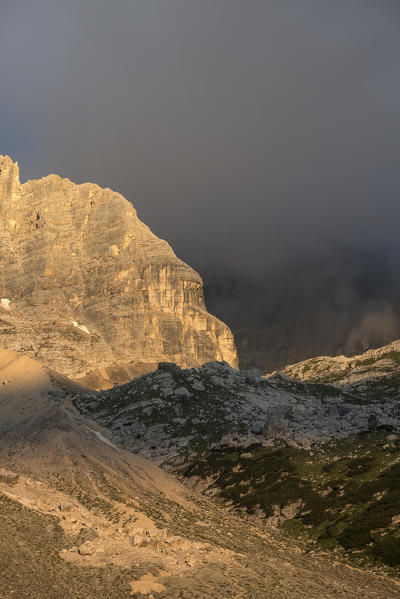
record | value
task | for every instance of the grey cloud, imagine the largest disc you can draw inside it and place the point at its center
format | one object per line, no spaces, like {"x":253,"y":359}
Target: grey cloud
{"x":261,"y":138}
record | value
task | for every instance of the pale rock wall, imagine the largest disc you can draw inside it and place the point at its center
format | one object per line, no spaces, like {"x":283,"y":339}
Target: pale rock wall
{"x":89,"y":286}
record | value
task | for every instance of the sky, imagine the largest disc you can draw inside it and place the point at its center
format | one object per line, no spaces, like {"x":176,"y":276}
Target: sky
{"x":261,"y":138}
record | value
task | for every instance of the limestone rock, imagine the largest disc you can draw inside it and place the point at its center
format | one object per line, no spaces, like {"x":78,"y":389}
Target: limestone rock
{"x":8,"y":477}
{"x":86,"y":549}
{"x":341,"y":370}
{"x":136,"y":541}
{"x":181,"y":392}
{"x":89,"y":290}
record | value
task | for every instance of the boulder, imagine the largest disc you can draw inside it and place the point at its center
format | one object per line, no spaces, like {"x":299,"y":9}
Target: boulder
{"x":86,"y":549}
{"x":137,"y":541}
{"x":181,"y":392}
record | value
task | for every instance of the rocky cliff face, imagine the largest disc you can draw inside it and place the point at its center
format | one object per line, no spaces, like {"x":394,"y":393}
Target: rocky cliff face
{"x":87,"y":289}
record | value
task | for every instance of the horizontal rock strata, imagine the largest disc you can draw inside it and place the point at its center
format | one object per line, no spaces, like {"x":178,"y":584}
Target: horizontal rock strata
{"x":86,"y":286}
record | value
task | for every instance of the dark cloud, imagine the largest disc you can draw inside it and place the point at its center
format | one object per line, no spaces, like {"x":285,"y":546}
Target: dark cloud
{"x":261,"y":138}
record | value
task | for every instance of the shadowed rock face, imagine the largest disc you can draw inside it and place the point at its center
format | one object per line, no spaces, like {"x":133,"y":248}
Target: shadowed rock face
{"x":86,"y":286}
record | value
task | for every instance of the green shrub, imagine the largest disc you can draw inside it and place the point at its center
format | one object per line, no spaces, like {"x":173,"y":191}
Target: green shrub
{"x":388,"y":550}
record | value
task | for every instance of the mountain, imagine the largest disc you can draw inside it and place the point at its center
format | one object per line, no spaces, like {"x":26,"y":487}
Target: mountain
{"x":379,"y":363}
{"x":321,"y":461}
{"x":89,"y":290}
{"x":82,"y":517}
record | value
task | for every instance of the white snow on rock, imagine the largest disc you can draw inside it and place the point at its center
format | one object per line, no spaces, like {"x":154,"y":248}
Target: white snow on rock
{"x":102,"y":438}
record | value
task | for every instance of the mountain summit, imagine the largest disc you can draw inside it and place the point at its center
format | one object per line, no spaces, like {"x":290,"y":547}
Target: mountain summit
{"x":89,"y":290}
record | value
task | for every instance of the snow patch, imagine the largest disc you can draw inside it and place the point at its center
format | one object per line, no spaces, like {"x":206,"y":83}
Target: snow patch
{"x":102,"y":438}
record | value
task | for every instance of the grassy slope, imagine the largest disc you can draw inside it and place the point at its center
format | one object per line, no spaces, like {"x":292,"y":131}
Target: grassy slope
{"x":347,"y":492}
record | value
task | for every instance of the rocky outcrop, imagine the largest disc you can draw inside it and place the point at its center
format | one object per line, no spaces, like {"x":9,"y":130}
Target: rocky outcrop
{"x":87,"y":289}
{"x":174,"y":413}
{"x":341,"y":370}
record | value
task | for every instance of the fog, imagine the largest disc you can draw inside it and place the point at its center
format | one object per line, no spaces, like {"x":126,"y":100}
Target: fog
{"x":260,"y":138}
